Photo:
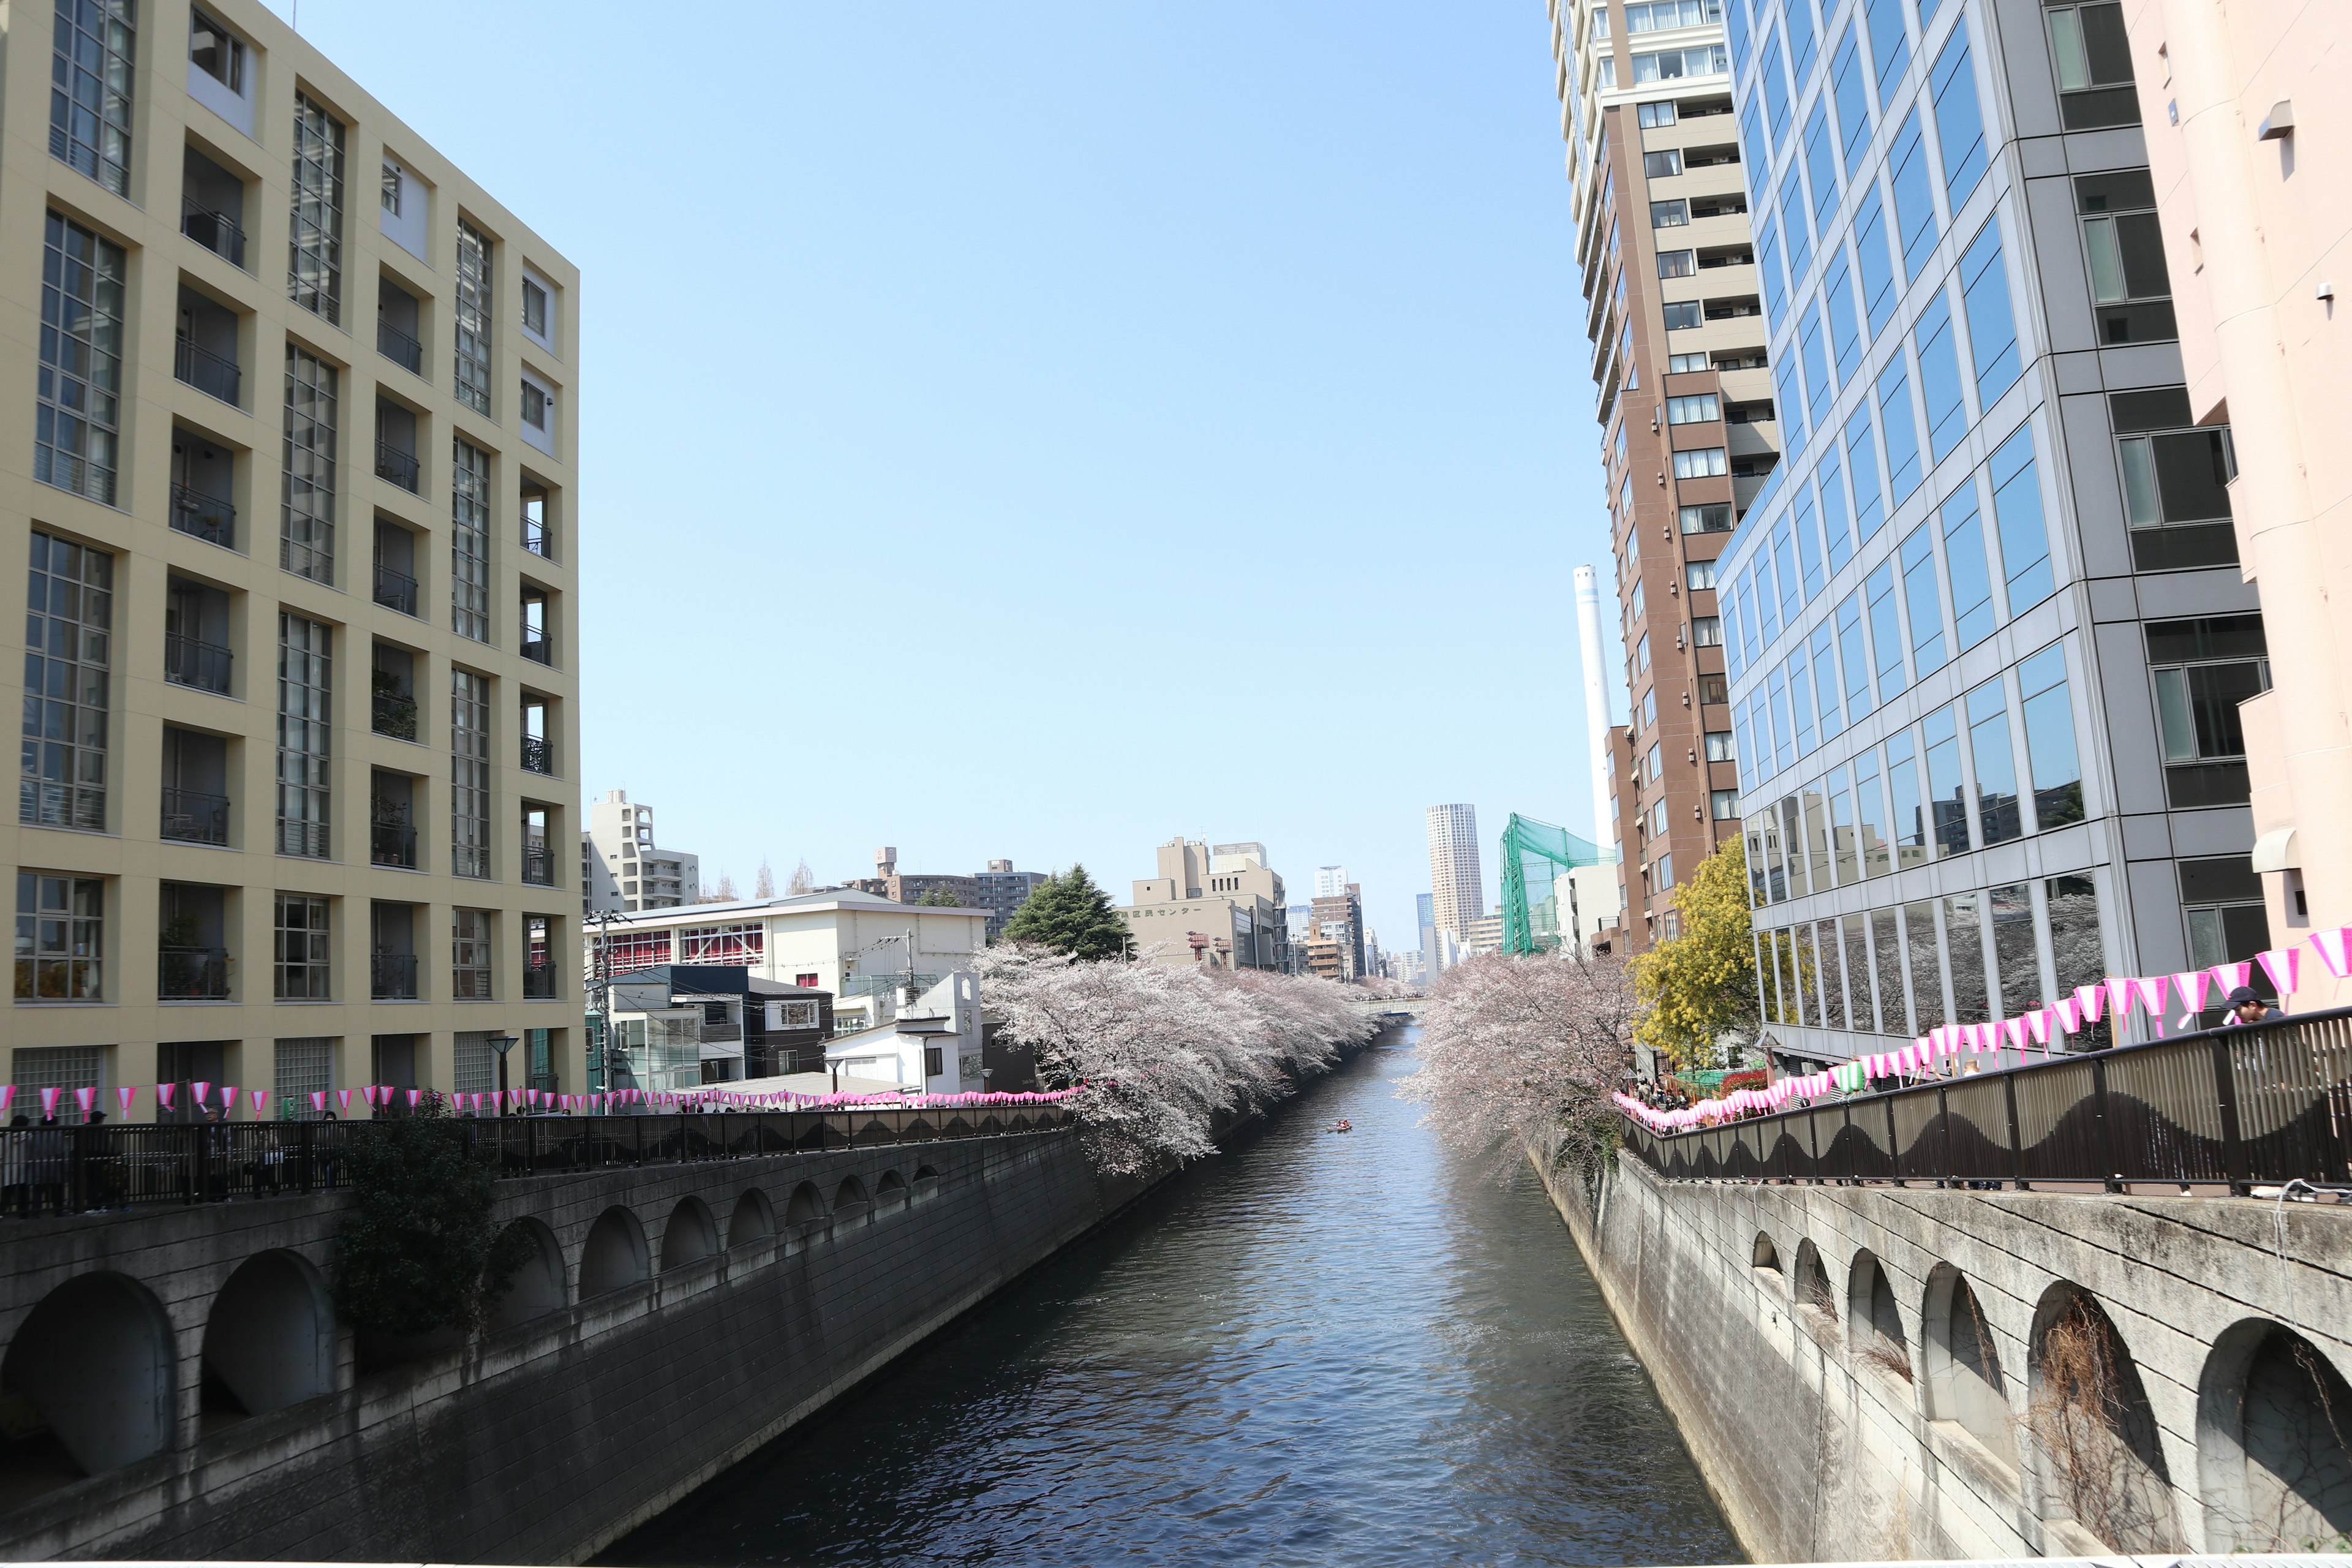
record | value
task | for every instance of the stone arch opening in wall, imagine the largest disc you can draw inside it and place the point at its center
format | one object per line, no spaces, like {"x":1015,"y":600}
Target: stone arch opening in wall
{"x":87,"y":1379}
{"x":805,"y":1206}
{"x":614,"y":1256}
{"x":690,"y":1236}
{"x":926,"y":1184}
{"x":537,"y":1288}
{"x":753,"y":1221}
{"x":1965,"y":1385}
{"x":1814,"y":1295}
{"x":850,"y":1203}
{"x":2274,"y":1466}
{"x":1873,"y":1321}
{"x":1764,"y":1257}
{"x":2093,"y":1435}
{"x":889,"y":1193}
{"x":270,"y":1340}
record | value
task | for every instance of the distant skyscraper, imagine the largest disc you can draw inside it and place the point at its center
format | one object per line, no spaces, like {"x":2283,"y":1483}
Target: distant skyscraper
{"x":1423,"y":922}
{"x":1330,"y":881}
{"x":1454,"y":891}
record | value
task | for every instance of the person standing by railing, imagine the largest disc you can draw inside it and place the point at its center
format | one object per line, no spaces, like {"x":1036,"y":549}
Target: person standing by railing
{"x":2247,"y":1007}
{"x":48,"y":1165}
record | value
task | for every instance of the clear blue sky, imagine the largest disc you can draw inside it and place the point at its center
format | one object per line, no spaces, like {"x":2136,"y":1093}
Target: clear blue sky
{"x":1038,"y":430}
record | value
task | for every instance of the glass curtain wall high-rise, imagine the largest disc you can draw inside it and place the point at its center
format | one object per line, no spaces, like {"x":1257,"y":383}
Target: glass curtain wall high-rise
{"x":1685,"y":397}
{"x":1939,"y":743}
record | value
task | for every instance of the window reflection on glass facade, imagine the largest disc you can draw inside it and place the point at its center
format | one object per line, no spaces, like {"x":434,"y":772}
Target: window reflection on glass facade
{"x":1873,"y":841}
{"x":1926,"y":965}
{"x":1887,"y":964}
{"x":1939,"y":731}
{"x":1964,"y":945}
{"x":1808,"y":976}
{"x":2077,"y":952}
{"x":1997,"y":818}
{"x":69,"y":655}
{"x":2017,"y":962}
{"x":1910,"y":809}
{"x":1831,"y":954}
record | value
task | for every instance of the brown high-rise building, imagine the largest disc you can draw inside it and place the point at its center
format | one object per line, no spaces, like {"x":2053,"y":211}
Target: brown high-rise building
{"x":1685,"y":402}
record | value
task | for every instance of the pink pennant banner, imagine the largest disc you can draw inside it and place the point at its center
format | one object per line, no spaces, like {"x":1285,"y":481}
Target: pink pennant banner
{"x":2015,"y":1030}
{"x":2190,"y":985}
{"x":198,"y":1093}
{"x":319,"y":1100}
{"x":2119,"y":1001}
{"x":163,"y":1092}
{"x":260,"y":1103}
{"x":2283,"y":965}
{"x":2150,"y":991}
{"x":414,"y":1095}
{"x":86,"y":1099}
{"x":49,"y":1101}
{"x":2230,"y":976}
{"x":126,"y":1094}
{"x":2069,"y":1012}
{"x":2334,"y":949}
{"x":2089,"y":1000}
{"x":343,"y":1100}
{"x":2038,"y":1022}
{"x":228,"y":1097}
{"x":7,"y":1097}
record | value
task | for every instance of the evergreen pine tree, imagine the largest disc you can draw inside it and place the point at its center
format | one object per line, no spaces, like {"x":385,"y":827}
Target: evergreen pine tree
{"x":1068,"y":913}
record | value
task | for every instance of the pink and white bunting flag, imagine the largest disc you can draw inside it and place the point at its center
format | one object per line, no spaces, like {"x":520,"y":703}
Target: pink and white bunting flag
{"x":228,"y":1097}
{"x":163,"y":1092}
{"x":86,"y":1099}
{"x":343,"y":1100}
{"x":2283,"y":965}
{"x":2149,"y":988}
{"x":2069,"y":1012}
{"x":2092,"y":1000}
{"x":2335,"y":949}
{"x":199,"y":1092}
{"x":260,"y":1103}
{"x":414,"y":1095}
{"x":2190,"y":985}
{"x":319,"y":1101}
{"x":125,"y":1094}
{"x":49,"y":1101}
{"x":2230,"y":976}
{"x":2119,"y":1001}
{"x":2038,"y":1022}
{"x":2015,"y":1030}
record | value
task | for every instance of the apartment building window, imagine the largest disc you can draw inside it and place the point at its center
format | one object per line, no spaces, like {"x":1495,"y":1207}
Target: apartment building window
{"x":1670,"y":214}
{"x":302,"y":1068}
{"x":89,"y":89}
{"x":307,"y":546}
{"x":1699,"y":574}
{"x":1724,"y":805}
{"x":1678,"y":365}
{"x":68,"y":624}
{"x":1718,"y":746}
{"x":469,"y":542}
{"x":2176,"y":481}
{"x":1672,"y":65}
{"x":1661,"y":14}
{"x":469,"y":775}
{"x":534,"y":406}
{"x":1684,"y":315}
{"x":472,"y":385}
{"x":80,"y":381}
{"x":2050,"y":758}
{"x":1679,"y":264}
{"x":1655,"y":762}
{"x":2131,"y":288}
{"x":469,"y":956}
{"x":1658,"y":820}
{"x":1642,"y":654}
{"x":535,"y":313}
{"x":2203,"y":668}
{"x":1714,"y":517}
{"x":1700,"y":407}
{"x":62,"y":1068}
{"x":1665,"y":878}
{"x":2222,"y":900}
{"x":60,"y":938}
{"x":314,"y":267}
{"x":1664,"y":165}
{"x":1606,"y":75}
{"x":302,"y":945}
{"x":304,"y":726}
{"x":1703,"y":462}
{"x":1707,"y":631}
{"x":2088,"y":46}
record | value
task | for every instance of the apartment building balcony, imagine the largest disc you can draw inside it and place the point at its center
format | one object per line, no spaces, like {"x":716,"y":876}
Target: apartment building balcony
{"x":538,"y":981}
{"x":399,"y":348}
{"x":395,"y":589}
{"x":192,"y":661}
{"x":391,"y":977}
{"x":208,"y":517}
{"x":539,"y":866}
{"x":194,"y":816}
{"x":394,"y":715}
{"x":216,"y":232}
{"x":392,"y":844}
{"x":214,"y":374}
{"x":398,"y":467}
{"x":538,"y":755}
{"x":192,"y":974}
{"x":1752,"y":439}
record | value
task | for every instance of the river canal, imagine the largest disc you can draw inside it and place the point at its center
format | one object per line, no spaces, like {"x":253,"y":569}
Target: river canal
{"x":1312,"y":1348}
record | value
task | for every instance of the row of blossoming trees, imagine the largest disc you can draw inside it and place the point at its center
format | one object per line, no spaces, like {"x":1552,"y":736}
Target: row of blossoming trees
{"x":1164,"y":1051}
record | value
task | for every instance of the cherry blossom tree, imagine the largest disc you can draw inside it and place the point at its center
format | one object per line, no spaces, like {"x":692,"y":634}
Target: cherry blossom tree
{"x":1520,"y":1051}
{"x":1164,"y":1050}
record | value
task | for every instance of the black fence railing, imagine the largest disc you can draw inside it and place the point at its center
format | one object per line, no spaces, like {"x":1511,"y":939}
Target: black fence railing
{"x":2231,"y":1108}
{"x":400,"y":348}
{"x":395,"y":589}
{"x":206,"y":371}
{"x":538,"y":756}
{"x":215,"y":231}
{"x":72,"y":1170}
{"x":192,"y":661}
{"x":391,"y":977}
{"x":195,"y":817}
{"x":210,"y":518}
{"x":399,"y":466}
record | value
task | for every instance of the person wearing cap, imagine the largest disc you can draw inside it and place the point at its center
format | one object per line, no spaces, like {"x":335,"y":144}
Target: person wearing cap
{"x":2245,"y":1007}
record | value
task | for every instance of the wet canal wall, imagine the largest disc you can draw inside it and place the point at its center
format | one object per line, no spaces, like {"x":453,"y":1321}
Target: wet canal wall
{"x":1864,"y":1373}
{"x":677,"y":1318}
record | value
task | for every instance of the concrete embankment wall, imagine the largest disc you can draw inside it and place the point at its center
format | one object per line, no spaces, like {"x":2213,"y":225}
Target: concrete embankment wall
{"x":1818,"y":1348}
{"x":545,"y":1440}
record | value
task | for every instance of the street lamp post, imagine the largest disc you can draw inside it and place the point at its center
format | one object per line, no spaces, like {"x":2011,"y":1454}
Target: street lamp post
{"x":502,"y":1043}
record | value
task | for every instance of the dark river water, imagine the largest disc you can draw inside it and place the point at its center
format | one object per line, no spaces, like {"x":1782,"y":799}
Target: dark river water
{"x":1312,"y":1348}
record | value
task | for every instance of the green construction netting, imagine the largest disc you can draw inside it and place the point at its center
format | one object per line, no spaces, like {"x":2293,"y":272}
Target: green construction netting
{"x":1536,"y":861}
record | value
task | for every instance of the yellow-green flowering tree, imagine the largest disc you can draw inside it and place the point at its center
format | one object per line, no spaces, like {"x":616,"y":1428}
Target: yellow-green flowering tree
{"x":1699,"y":985}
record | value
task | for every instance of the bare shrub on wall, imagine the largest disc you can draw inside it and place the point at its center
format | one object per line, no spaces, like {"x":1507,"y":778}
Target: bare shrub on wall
{"x":2084,"y":1421}
{"x":1516,"y":1050}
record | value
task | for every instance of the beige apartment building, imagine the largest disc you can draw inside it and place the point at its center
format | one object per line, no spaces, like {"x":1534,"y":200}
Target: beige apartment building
{"x":287,"y":445}
{"x":1686,"y":400}
{"x":1221,"y":907}
{"x":2247,"y":141}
